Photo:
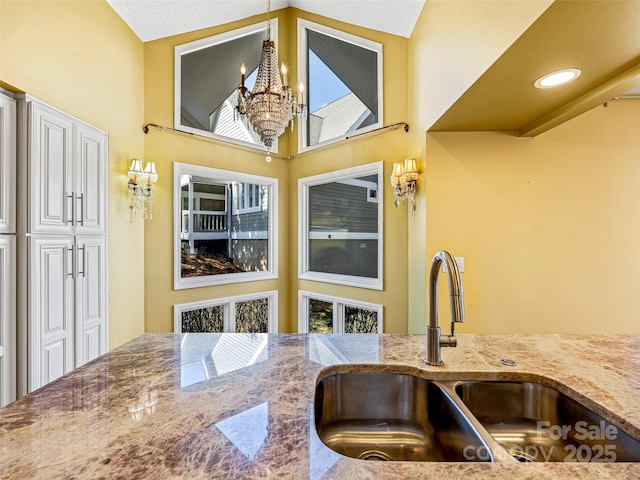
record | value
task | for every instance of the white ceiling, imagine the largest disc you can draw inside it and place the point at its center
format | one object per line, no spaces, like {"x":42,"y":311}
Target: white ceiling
{"x":154,"y":19}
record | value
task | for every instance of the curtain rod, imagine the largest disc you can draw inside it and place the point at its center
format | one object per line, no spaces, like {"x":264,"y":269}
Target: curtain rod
{"x":386,"y":127}
{"x":394,"y":126}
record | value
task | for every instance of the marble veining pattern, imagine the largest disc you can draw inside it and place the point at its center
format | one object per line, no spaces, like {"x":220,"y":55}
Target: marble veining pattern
{"x":170,"y":406}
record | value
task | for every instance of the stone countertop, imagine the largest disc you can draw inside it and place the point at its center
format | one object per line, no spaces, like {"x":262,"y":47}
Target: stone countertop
{"x":169,"y":406}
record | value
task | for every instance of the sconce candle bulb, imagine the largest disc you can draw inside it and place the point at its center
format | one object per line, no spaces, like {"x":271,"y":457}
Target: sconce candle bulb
{"x":141,"y":188}
{"x":404,"y":179}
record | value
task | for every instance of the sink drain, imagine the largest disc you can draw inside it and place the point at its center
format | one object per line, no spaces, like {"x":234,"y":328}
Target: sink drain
{"x":375,"y":456}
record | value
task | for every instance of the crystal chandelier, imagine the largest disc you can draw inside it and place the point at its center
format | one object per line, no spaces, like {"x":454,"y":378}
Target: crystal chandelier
{"x":270,"y":105}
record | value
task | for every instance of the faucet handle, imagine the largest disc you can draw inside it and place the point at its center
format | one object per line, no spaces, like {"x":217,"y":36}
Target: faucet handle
{"x":448,"y":341}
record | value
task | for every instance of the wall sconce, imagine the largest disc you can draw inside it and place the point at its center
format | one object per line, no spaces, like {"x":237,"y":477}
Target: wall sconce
{"x":404,"y":179}
{"x":141,"y":188}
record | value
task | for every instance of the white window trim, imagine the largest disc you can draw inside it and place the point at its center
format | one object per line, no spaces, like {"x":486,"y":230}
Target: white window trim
{"x":304,"y":25}
{"x":272,"y":233}
{"x":338,"y":310}
{"x":229,"y":304}
{"x":208,"y":42}
{"x":304,"y":235}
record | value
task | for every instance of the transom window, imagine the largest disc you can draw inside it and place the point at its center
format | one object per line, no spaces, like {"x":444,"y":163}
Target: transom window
{"x":207,"y":77}
{"x":325,"y":314}
{"x":242,"y":314}
{"x":343,"y":75}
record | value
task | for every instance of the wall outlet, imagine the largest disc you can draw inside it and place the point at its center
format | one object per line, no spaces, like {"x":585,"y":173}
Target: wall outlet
{"x":459,"y":261}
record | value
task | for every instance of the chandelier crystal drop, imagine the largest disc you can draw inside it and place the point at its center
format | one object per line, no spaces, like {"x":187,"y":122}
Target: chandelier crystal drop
{"x":270,"y":105}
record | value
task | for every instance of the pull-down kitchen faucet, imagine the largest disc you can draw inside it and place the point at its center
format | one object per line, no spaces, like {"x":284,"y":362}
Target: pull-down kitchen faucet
{"x":434,"y":340}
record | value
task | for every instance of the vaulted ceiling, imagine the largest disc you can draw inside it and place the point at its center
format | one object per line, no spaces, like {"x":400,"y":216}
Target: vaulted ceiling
{"x":154,"y":19}
{"x":600,"y":37}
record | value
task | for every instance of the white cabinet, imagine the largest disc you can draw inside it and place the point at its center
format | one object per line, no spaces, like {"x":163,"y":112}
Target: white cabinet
{"x":62,"y":226}
{"x":91,"y":298}
{"x":90,"y":179}
{"x":7,"y":165}
{"x":51,"y":308}
{"x":68,"y":304}
{"x":7,"y":319}
{"x":8,"y":141}
{"x":67,"y":169}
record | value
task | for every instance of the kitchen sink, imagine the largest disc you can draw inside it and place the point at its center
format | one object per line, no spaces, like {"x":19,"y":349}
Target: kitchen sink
{"x":537,"y":423}
{"x":386,"y":416}
{"x":371,"y":415}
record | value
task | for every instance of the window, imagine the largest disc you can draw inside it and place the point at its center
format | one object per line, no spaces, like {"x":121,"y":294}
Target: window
{"x":207,"y":76}
{"x":324,"y":314}
{"x":256,"y":313}
{"x":224,"y":226}
{"x":248,"y":198}
{"x":343,"y":75}
{"x":340,"y":222}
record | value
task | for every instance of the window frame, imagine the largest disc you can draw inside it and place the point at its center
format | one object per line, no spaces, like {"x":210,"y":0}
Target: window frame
{"x":271,"y":234}
{"x":339,"y":305}
{"x":228,"y":304}
{"x":203,"y":43}
{"x":303,"y":68}
{"x":376,"y":168}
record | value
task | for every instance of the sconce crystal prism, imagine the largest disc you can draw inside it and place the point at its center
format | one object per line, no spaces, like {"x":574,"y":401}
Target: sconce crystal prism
{"x":404,"y":179}
{"x":141,"y":188}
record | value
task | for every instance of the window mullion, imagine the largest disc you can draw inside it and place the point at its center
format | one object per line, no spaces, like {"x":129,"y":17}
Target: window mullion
{"x":338,"y":317}
{"x":230,"y":317}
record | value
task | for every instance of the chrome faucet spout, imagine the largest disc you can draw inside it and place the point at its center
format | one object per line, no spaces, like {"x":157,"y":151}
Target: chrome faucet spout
{"x":456,"y":299}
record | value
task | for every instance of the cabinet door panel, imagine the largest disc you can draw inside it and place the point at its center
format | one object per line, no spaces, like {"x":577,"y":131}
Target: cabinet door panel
{"x":51,"y":324}
{"x":7,"y":164}
{"x":50,"y":170}
{"x":7,"y":320}
{"x":91,"y":299}
{"x":90,"y":179}
{"x":53,"y":360}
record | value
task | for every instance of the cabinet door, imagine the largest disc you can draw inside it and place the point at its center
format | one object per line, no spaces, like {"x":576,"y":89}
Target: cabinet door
{"x":7,"y":320}
{"x":91,"y":298}
{"x":90,"y":172}
{"x":50,"y":170}
{"x":7,"y":164}
{"x":51,"y":309}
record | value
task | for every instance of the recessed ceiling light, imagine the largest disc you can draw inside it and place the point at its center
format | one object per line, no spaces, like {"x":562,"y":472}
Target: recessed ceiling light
{"x":560,"y":77}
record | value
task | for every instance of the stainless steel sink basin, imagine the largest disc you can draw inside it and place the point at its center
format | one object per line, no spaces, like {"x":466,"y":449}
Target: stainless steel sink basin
{"x":384,"y":416}
{"x":535,"y":422}
{"x":372,"y":415}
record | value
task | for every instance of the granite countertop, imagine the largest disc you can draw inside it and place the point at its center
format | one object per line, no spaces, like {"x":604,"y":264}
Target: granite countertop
{"x":169,"y":406}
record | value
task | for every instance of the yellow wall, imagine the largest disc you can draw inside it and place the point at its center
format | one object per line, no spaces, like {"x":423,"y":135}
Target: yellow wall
{"x":389,"y":147}
{"x":548,"y":226}
{"x":80,"y":57}
{"x":166,"y":148}
{"x":452,"y":44}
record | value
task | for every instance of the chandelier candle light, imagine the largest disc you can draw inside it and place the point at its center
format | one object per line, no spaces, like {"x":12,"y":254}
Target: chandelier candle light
{"x":141,"y":188}
{"x":404,"y":179}
{"x":271,"y":104}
